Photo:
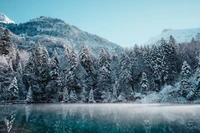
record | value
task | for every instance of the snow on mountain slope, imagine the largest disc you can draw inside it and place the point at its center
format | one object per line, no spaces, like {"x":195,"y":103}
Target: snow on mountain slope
{"x":5,"y":19}
{"x":181,"y":35}
{"x":55,"y":33}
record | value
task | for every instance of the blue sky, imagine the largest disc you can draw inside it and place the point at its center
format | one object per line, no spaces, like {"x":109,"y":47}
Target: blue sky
{"x":124,"y":22}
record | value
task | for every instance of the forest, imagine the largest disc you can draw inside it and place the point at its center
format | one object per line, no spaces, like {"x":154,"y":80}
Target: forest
{"x":82,"y":77}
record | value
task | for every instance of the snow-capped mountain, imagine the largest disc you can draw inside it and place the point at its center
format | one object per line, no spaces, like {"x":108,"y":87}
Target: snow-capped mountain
{"x":181,"y":35}
{"x":54,"y":33}
{"x":5,"y":19}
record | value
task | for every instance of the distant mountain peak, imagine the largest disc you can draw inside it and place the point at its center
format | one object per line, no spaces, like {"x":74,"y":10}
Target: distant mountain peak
{"x":5,"y":19}
{"x":166,"y":30}
{"x":180,"y":35}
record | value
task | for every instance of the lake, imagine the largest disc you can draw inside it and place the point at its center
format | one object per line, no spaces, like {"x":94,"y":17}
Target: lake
{"x":99,"y":118}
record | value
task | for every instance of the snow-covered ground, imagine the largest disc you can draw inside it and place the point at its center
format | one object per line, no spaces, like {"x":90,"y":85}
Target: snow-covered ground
{"x":168,"y":94}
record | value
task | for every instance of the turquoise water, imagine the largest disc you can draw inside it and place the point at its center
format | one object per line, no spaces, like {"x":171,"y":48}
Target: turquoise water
{"x":99,"y":118}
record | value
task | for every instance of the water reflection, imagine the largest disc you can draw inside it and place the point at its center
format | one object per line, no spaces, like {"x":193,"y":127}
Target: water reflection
{"x":99,"y":118}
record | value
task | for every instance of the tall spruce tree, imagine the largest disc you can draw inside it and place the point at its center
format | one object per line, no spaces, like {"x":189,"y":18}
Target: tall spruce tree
{"x":169,"y":61}
{"x":13,"y":90}
{"x":144,"y":83}
{"x":104,"y":76}
{"x":185,"y":82}
{"x":87,"y":60}
{"x":125,"y":88}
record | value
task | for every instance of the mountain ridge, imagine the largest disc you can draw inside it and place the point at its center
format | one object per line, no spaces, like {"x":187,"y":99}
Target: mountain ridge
{"x":180,"y":35}
{"x":56,"y":33}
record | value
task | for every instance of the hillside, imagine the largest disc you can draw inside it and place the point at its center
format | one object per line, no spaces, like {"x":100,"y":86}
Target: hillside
{"x":54,"y":33}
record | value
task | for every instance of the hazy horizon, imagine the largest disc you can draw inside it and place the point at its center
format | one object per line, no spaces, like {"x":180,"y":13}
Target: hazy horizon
{"x":124,"y":23}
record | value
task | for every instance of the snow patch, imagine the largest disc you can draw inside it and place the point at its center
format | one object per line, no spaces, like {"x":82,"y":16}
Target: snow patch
{"x":5,"y":19}
{"x":180,"y":35}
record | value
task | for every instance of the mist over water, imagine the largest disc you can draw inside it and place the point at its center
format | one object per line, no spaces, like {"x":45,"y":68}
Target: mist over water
{"x":99,"y":118}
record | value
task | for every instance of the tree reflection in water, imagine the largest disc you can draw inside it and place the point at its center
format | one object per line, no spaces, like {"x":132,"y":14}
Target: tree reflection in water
{"x":99,"y":118}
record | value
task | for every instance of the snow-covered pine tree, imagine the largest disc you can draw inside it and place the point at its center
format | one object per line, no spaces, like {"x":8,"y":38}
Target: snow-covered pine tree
{"x":169,"y":60}
{"x":102,"y":58}
{"x":54,"y":66}
{"x":54,"y":86}
{"x":44,"y":73}
{"x":64,"y":61}
{"x":13,"y":90}
{"x":185,"y":82}
{"x":104,"y":76}
{"x":16,"y":60}
{"x":73,"y":97}
{"x":71,"y":72}
{"x":91,"y":97}
{"x":122,"y":97}
{"x":83,"y":95}
{"x":87,"y":60}
{"x":30,"y":65}
{"x":38,"y":57}
{"x":114,"y":65}
{"x":144,"y":83}
{"x":124,"y":75}
{"x":133,"y":65}
{"x":158,"y":68}
{"x":65,"y":95}
{"x":29,"y":97}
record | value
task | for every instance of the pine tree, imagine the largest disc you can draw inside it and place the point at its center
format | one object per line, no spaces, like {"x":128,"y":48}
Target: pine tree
{"x":16,"y":60}
{"x":38,"y":57}
{"x":133,"y":55}
{"x":5,"y":41}
{"x":124,"y":79}
{"x":102,"y":58}
{"x":29,"y":97}
{"x":64,"y":59}
{"x":87,"y":60}
{"x":157,"y":66}
{"x":54,"y":66}
{"x":114,"y":93}
{"x":73,"y":97}
{"x":31,"y":65}
{"x":169,"y":60}
{"x":65,"y":95}
{"x":104,"y":76}
{"x":71,"y":72}
{"x":122,"y":97}
{"x":63,"y":66}
{"x":185,"y":82}
{"x":83,"y":95}
{"x":144,"y":83}
{"x":91,"y":97}
{"x":44,"y":73}
{"x":13,"y":90}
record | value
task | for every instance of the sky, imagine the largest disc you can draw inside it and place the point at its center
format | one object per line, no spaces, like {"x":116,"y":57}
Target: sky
{"x":125,"y":22}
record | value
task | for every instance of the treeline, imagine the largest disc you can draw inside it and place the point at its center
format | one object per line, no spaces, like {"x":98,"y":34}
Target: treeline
{"x":108,"y":77}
